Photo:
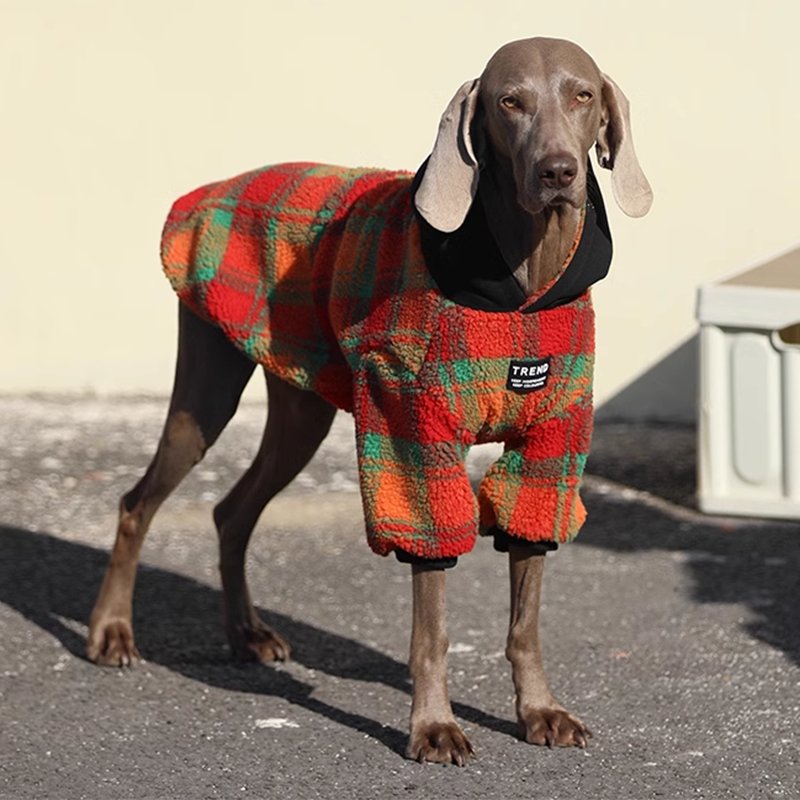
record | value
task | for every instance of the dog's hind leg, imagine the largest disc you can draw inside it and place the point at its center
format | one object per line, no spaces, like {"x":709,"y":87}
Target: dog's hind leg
{"x":297,"y":422}
{"x":209,"y":378}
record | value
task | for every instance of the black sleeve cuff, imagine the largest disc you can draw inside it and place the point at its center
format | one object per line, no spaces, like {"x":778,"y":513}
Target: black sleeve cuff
{"x":502,"y":540}
{"x":425,"y":563}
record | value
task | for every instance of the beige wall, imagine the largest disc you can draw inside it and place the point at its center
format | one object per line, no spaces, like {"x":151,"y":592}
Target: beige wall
{"x":110,"y":109}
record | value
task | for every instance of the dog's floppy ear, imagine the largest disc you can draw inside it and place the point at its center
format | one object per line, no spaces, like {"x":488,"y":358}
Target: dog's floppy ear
{"x":450,"y":181}
{"x":615,"y":151}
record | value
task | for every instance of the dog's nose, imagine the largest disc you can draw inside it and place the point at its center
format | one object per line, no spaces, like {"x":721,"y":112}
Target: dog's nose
{"x":557,"y":171}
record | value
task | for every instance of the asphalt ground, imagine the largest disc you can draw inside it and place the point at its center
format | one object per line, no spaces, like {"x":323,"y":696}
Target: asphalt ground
{"x":675,"y":636}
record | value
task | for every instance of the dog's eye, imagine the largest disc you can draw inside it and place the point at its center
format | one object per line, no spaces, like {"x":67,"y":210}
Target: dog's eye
{"x":510,"y":103}
{"x":583,"y":97}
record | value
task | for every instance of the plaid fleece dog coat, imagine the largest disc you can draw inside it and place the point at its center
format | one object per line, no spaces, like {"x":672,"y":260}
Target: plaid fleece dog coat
{"x":318,"y":273}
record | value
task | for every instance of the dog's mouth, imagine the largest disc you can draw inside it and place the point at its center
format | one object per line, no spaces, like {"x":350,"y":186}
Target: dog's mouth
{"x":551,"y":198}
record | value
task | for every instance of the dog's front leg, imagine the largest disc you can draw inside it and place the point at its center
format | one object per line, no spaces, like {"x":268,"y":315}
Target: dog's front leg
{"x":435,"y":734}
{"x":542,"y":720}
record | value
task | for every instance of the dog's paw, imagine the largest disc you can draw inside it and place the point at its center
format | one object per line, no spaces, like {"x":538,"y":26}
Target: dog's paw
{"x":110,"y":644}
{"x":554,"y":727}
{"x":259,"y":644}
{"x":439,"y":743}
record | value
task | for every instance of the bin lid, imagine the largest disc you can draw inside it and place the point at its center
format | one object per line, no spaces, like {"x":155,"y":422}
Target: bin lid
{"x":782,"y":272}
{"x":766,"y":296}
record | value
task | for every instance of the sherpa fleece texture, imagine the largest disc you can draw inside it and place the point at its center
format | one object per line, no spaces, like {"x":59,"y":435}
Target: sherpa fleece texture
{"x":316,"y":272}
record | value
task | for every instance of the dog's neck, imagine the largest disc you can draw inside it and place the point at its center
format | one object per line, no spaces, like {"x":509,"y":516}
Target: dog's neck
{"x":534,"y":246}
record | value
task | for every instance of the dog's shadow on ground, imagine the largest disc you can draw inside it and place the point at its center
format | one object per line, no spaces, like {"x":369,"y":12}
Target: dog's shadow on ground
{"x":178,"y":623}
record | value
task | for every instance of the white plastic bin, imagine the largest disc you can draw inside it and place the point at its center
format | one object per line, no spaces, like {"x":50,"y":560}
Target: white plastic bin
{"x":749,"y":425}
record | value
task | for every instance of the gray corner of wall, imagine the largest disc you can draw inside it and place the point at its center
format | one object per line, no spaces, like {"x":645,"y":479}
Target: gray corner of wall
{"x":667,"y":392}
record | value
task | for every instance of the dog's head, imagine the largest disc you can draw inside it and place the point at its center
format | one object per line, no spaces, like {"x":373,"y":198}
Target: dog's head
{"x":536,"y":110}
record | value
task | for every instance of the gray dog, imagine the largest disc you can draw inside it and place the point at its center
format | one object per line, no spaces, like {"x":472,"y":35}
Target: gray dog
{"x":508,"y":223}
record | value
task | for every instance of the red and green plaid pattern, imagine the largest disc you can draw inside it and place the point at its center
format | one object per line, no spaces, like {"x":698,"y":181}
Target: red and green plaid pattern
{"x":458,"y":399}
{"x":317,"y":273}
{"x":242,"y":254}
